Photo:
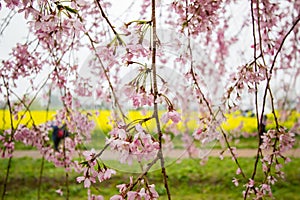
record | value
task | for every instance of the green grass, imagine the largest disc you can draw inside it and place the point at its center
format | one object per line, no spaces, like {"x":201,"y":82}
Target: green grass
{"x":187,"y":179}
{"x":98,"y":142}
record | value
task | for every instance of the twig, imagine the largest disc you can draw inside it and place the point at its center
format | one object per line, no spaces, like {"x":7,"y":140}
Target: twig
{"x":207,"y":102}
{"x":67,"y":174}
{"x":11,"y":138}
{"x":267,"y":88}
{"x":108,"y":22}
{"x":282,"y":43}
{"x":131,"y":186}
{"x":107,"y":77}
{"x":43,"y":158}
{"x":100,"y":153}
{"x":155,"y":106}
{"x":7,"y":21}
{"x":256,"y":95}
{"x":258,"y":118}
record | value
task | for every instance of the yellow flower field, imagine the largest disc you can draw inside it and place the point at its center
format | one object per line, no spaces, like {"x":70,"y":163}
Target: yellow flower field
{"x":236,"y":120}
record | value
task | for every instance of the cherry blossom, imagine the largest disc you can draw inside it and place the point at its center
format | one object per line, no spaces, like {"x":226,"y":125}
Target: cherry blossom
{"x":7,"y":146}
{"x":172,"y":115}
{"x":141,"y":146}
{"x":117,"y":197}
{"x":59,"y":191}
{"x":235,"y":181}
{"x":92,"y":170}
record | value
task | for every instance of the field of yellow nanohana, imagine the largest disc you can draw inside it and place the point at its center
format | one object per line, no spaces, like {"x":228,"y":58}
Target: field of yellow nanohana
{"x":102,"y":120}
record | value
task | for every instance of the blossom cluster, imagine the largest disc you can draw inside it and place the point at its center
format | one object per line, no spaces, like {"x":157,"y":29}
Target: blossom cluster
{"x":198,"y":16}
{"x":92,"y":170}
{"x":140,"y":98}
{"x":7,"y":144}
{"x":245,"y":80}
{"x":274,"y":144}
{"x":23,"y":64}
{"x":140,"y":146}
{"x":147,"y":192}
{"x":283,"y":140}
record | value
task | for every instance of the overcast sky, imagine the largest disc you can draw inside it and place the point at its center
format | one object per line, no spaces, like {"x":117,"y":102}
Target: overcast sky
{"x":120,"y":12}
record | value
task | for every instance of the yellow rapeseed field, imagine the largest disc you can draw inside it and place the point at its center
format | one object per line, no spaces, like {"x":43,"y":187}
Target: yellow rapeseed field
{"x":103,"y":120}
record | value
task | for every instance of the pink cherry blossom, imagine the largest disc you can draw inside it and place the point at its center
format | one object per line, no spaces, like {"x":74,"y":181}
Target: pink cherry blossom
{"x":87,"y":181}
{"x":251,"y":183}
{"x":238,"y":171}
{"x":116,"y":197}
{"x":105,"y":175}
{"x":98,"y":197}
{"x":235,"y":181}
{"x":197,"y":134}
{"x":59,"y":191}
{"x":131,"y":195}
{"x":12,"y":3}
{"x":171,"y":115}
{"x":89,"y":155}
{"x":80,"y":179}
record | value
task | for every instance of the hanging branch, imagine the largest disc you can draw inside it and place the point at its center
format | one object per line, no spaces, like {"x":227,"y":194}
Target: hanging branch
{"x":267,"y":89}
{"x":155,"y":94}
{"x":11,"y":138}
{"x":43,"y":157}
{"x":256,"y":91}
{"x":107,"y":77}
{"x":67,"y":173}
{"x":108,"y":22}
{"x":6,"y":21}
{"x":195,"y":82}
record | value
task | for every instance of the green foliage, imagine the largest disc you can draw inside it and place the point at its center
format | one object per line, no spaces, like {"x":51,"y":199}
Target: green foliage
{"x":188,"y":180}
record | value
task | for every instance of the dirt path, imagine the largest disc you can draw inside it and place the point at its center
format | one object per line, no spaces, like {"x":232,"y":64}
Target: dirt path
{"x":176,"y":153}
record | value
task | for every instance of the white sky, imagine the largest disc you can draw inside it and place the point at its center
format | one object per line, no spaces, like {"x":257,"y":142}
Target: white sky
{"x":119,"y":11}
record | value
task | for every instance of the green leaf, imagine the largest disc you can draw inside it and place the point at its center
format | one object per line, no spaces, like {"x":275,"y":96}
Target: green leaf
{"x":71,"y":10}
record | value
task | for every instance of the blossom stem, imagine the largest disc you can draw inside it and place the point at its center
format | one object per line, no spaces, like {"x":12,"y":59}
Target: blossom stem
{"x":11,"y":137}
{"x":107,"y":77}
{"x":259,"y":127}
{"x":154,"y":77}
{"x":67,"y":174}
{"x":40,"y":178}
{"x":43,"y":158}
{"x":208,"y":105}
{"x":108,"y":22}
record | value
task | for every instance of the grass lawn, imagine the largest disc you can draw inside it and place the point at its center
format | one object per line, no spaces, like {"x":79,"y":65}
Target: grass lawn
{"x":188,"y":180}
{"x":98,"y":142}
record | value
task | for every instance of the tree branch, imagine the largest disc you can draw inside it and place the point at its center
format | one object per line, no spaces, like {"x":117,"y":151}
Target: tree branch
{"x":108,"y":22}
{"x":155,"y":114}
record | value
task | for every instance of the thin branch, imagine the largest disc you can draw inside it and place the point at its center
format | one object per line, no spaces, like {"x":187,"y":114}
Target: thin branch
{"x":258,"y":118}
{"x":11,"y":138}
{"x":107,"y":77}
{"x":215,"y":119}
{"x":207,"y":102}
{"x":66,"y":174}
{"x":155,"y":106}
{"x":282,"y":43}
{"x":267,"y":88}
{"x":7,"y":20}
{"x":256,"y":93}
{"x":131,"y":186}
{"x":43,"y":158}
{"x":100,"y":153}
{"x":108,"y":22}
